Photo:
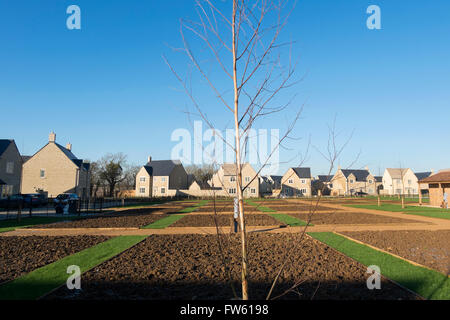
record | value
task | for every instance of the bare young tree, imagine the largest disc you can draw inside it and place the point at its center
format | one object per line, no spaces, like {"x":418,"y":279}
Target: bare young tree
{"x":243,"y":39}
{"x":111,"y":168}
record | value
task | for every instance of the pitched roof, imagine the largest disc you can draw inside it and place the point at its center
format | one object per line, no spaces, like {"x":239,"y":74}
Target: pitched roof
{"x":325,"y":178}
{"x":2,"y":182}
{"x":397,"y":173}
{"x":229,"y":169}
{"x":378,"y":178}
{"x":4,"y":144}
{"x":441,"y":176}
{"x":25,"y":158}
{"x":303,"y":172}
{"x":276,"y":179}
{"x":360,"y":175}
{"x":161,"y":167}
{"x":422,"y":175}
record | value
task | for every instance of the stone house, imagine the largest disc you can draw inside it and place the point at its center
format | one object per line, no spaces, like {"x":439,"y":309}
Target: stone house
{"x":54,"y":169}
{"x":349,"y":181}
{"x":10,"y":168}
{"x":225,"y":178}
{"x":398,"y":181}
{"x":438,"y":184}
{"x":296,"y":182}
{"x":161,"y":178}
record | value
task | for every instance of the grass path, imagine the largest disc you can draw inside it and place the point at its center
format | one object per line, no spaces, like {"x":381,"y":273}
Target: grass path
{"x":167,"y":221}
{"x":13,"y":224}
{"x":45,"y":279}
{"x":289,"y":220}
{"x":430,"y":284}
{"x":259,"y":207}
{"x":414,"y":210}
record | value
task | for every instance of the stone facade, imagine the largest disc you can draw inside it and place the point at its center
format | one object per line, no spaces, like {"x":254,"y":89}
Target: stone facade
{"x":347,"y":182}
{"x":225,"y":178}
{"x":54,"y":169}
{"x":296,"y":182}
{"x":10,"y":168}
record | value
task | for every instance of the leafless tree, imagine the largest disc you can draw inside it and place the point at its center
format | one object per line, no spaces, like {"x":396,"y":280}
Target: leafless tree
{"x":243,"y":37}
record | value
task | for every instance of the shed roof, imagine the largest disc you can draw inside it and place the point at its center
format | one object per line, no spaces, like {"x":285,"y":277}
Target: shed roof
{"x":441,"y":176}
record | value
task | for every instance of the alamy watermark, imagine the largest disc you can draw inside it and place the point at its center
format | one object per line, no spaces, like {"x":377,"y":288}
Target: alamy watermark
{"x":374,"y":280}
{"x":259,"y":147}
{"x":74,"y":280}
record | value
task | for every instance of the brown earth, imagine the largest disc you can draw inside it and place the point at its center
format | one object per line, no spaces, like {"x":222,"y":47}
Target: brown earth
{"x":224,"y":220}
{"x":428,"y":248}
{"x":190,"y":267}
{"x":342,"y":217}
{"x":123,"y":219}
{"x":20,"y":255}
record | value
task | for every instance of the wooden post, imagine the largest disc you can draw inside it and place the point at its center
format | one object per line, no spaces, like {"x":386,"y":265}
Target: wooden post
{"x":420,"y":195}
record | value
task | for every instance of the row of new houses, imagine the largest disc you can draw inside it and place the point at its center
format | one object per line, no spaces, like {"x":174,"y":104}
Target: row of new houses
{"x":54,"y":169}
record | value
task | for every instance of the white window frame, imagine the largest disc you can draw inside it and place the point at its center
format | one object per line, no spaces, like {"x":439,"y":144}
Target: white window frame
{"x":253,"y":190}
{"x":142,"y":190}
{"x":163,"y":179}
{"x":232,"y":190}
{"x":303,"y":181}
{"x":10,"y":167}
{"x":42,"y":176}
{"x":142,"y":179}
{"x":291,"y":181}
{"x":247,"y":179}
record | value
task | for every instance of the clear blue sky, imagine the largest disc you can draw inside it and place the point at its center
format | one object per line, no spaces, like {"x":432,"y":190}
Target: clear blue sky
{"x":105,"y":88}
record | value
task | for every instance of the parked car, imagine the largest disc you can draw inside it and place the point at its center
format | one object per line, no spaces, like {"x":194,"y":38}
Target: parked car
{"x":12,"y":201}
{"x":64,"y":198}
{"x":360,"y":194}
{"x":35,"y":199}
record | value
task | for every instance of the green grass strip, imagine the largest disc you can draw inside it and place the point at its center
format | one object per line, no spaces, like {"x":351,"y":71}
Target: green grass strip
{"x":428,"y":283}
{"x":164,"y":222}
{"x":259,"y":207}
{"x":289,"y":220}
{"x":194,"y":207}
{"x":414,"y":210}
{"x":41,"y":281}
{"x":13,"y":224}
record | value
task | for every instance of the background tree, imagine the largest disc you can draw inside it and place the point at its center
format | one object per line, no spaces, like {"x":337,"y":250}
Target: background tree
{"x":95,"y":179}
{"x":201,"y":173}
{"x":130,"y":173}
{"x":111,"y":170}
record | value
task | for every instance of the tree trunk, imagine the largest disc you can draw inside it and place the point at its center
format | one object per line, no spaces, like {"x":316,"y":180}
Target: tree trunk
{"x":238,"y":162}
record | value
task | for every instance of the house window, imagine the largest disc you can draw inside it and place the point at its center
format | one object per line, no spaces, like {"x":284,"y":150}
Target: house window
{"x":141,"y":190}
{"x":163,"y":190}
{"x":232,"y":179}
{"x":351,"y":181}
{"x":163,"y":179}
{"x":291,"y":181}
{"x":247,"y":179}
{"x":253,"y":190}
{"x":142,"y":179}
{"x":302,"y":191}
{"x":10,"y":167}
{"x":409,"y":182}
{"x":42,"y":173}
{"x":303,"y":181}
{"x":370,"y":181}
{"x":232,"y":191}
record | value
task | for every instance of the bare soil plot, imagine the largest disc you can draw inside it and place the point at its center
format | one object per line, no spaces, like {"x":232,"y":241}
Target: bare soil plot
{"x":224,"y":220}
{"x":343,"y":217}
{"x":190,"y":267}
{"x":428,"y":248}
{"x":225,"y":208}
{"x":123,"y":219}
{"x":302,"y":208}
{"x":20,"y":255}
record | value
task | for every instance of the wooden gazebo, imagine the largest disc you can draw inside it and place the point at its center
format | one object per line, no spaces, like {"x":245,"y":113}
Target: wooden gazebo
{"x":438,"y":184}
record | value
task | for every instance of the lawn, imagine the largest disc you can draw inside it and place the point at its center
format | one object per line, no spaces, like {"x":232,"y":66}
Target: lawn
{"x":13,"y":224}
{"x":45,"y":279}
{"x":164,"y":222}
{"x":420,"y":211}
{"x":259,"y":207}
{"x":289,"y":220}
{"x":428,"y":283}
{"x":193,"y":208}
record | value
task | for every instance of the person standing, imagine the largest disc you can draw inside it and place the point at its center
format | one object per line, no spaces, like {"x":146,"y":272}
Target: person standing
{"x":445,"y":200}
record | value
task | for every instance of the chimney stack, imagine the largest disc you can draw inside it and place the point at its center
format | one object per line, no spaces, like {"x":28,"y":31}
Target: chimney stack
{"x":367,"y":168}
{"x":149,"y":159}
{"x":52,"y":137}
{"x":69,"y":146}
